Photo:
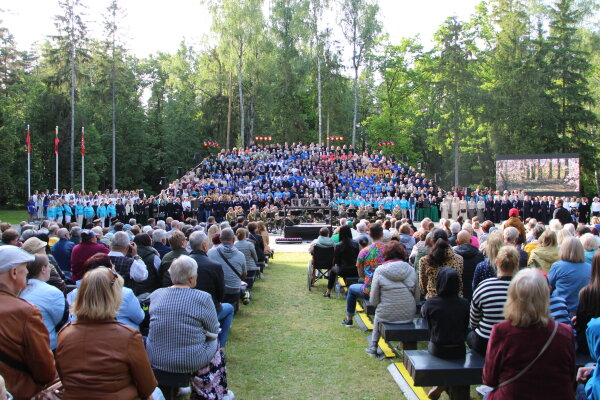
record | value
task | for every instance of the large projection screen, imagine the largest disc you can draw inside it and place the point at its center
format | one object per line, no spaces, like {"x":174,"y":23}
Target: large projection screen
{"x":539,"y":174}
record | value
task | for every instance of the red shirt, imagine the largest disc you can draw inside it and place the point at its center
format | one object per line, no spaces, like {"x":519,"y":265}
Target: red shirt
{"x":511,"y":349}
{"x":80,"y":254}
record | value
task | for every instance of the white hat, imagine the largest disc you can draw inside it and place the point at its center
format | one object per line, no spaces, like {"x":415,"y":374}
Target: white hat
{"x":11,"y":256}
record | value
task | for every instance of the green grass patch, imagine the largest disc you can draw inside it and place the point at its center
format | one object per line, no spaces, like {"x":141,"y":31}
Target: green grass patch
{"x":13,"y":216}
{"x":289,"y":343}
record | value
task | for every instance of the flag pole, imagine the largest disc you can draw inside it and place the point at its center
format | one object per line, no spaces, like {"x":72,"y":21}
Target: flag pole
{"x":56,"y":153}
{"x":28,"y":164}
{"x":82,"y":159}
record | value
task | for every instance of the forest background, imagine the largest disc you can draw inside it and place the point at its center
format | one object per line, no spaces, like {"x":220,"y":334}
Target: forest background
{"x":517,"y":77}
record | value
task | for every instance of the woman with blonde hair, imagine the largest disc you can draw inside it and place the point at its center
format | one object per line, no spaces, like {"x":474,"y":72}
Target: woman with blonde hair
{"x":97,"y":345}
{"x":569,"y":275}
{"x":530,"y":355}
{"x":563,"y":234}
{"x":546,"y":253}
{"x":212,"y":231}
{"x":487,"y":268}
{"x":262,"y":230}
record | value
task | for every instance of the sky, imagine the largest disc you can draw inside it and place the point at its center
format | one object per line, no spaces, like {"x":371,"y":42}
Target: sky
{"x":159,"y":25}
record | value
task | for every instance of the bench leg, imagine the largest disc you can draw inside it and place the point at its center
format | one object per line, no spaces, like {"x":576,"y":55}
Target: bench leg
{"x":459,"y":392}
{"x":409,"y":345}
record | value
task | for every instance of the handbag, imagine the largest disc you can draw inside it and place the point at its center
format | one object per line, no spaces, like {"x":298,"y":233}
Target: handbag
{"x":517,"y":376}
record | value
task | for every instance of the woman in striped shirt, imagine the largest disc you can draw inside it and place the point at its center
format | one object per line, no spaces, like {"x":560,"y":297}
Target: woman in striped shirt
{"x":489,"y":297}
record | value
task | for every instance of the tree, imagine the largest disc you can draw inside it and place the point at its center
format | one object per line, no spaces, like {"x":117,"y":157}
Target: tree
{"x":361,"y":29}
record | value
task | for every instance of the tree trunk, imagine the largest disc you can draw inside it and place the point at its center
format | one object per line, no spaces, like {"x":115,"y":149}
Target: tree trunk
{"x":114,"y":125}
{"x":72,"y":169}
{"x":240,"y":65}
{"x":229,"y":106}
{"x":327,"y":141}
{"x":456,"y":160}
{"x":355,"y":107}
{"x":251,"y":116}
{"x":319,"y":98}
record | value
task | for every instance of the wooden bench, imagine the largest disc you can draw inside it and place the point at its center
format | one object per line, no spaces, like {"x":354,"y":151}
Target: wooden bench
{"x":407,"y":334}
{"x":459,"y":374}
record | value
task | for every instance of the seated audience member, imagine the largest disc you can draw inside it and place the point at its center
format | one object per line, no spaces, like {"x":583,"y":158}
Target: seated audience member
{"x":487,"y":268}
{"x":394,"y":291}
{"x":440,"y":255}
{"x":546,"y":253}
{"x":489,"y":298}
{"x":422,"y":251}
{"x":515,"y":222}
{"x":62,"y":250}
{"x":344,"y":259}
{"x":367,"y":262}
{"x":211,"y":280}
{"x":130,"y":311}
{"x":10,"y":237}
{"x":536,"y":232}
{"x":447,"y":316}
{"x":233,"y":263}
{"x":248,"y":249}
{"x":159,"y":242}
{"x":569,"y":275}
{"x":589,"y":305}
{"x":98,"y":357}
{"x":84,"y":250}
{"x":262,"y":231}
{"x":590,"y":375}
{"x":406,"y":239}
{"x":455,"y":227}
{"x":48,"y":299}
{"x":183,"y":332}
{"x":132,"y":269}
{"x":485,"y":231}
{"x":590,"y":246}
{"x":178,"y":242}
{"x":23,"y":336}
{"x":324,"y":240}
{"x":511,"y":237}
{"x":530,"y":356}
{"x":151,"y":259}
{"x":471,"y":258}
{"x":255,"y":238}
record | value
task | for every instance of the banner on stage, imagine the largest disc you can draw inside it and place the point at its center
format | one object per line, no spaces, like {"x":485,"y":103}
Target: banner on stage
{"x":539,"y":174}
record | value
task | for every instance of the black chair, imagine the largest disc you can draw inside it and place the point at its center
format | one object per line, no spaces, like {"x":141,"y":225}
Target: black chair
{"x":320,"y":264}
{"x":170,"y":382}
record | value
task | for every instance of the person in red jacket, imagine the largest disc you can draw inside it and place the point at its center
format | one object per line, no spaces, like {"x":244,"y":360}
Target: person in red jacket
{"x":530,"y":356}
{"x":84,"y":250}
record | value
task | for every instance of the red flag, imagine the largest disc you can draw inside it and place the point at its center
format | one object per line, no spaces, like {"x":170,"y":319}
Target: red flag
{"x":56,"y":145}
{"x":82,"y":143}
{"x":28,"y":141}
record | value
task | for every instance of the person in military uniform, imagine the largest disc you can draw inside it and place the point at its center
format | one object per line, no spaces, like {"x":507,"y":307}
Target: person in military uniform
{"x":231,"y":216}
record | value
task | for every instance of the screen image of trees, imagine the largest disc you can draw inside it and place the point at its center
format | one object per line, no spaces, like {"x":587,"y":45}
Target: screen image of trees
{"x":538,"y":174}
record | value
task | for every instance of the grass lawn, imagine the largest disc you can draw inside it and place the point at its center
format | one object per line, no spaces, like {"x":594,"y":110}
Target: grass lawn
{"x":13,"y":216}
{"x":289,"y":343}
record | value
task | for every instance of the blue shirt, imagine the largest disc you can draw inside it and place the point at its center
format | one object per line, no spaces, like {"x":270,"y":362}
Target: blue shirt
{"x":51,"y":303}
{"x":88,"y":212}
{"x":130,"y":312}
{"x":567,"y":279}
{"x":62,"y":253}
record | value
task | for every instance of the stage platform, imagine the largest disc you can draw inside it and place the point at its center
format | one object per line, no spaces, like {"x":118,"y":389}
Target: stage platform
{"x":307,"y":232}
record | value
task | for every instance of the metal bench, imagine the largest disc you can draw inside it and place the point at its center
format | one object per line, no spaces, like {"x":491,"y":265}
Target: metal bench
{"x":408,"y":334}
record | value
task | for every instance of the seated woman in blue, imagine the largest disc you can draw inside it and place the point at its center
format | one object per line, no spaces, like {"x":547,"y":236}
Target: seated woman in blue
{"x":130,"y":312}
{"x":47,"y":298}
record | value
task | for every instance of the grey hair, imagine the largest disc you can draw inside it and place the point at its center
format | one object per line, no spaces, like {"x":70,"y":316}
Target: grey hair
{"x":132,"y":221}
{"x":182,"y":269}
{"x":227,"y":235}
{"x":468,"y":227}
{"x":455,"y":227}
{"x":147,"y":229}
{"x":511,"y":234}
{"x":27,"y":234}
{"x":361,"y":227}
{"x":76,"y":231}
{"x":53,"y":228}
{"x":197,"y":238}
{"x":62,"y":233}
{"x":160,"y":223}
{"x":589,"y":242}
{"x":98,"y":231}
{"x":224,"y":225}
{"x":120,"y":240}
{"x":158,"y":235}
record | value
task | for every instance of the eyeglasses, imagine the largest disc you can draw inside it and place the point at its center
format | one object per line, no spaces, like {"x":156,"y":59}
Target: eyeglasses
{"x":114,"y":275}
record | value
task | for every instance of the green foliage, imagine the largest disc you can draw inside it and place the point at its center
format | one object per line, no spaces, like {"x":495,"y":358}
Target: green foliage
{"x":517,"y":77}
